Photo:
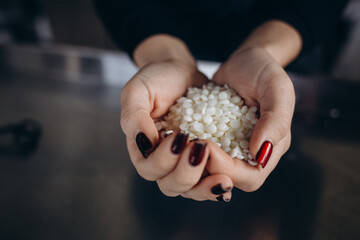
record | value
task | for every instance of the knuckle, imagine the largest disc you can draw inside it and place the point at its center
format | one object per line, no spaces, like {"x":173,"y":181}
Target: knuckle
{"x":185,"y":181}
{"x":283,"y":127}
{"x":166,"y":191}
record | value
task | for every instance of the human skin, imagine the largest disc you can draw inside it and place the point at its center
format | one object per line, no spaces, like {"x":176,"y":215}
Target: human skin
{"x":254,"y":70}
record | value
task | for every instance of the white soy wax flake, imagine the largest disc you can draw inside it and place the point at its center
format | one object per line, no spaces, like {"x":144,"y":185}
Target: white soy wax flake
{"x":233,"y":152}
{"x":223,"y":95}
{"x":239,"y":134}
{"x":223,"y":127}
{"x":252,"y":162}
{"x":196,"y":97}
{"x":235,"y":99}
{"x":219,"y":112}
{"x":212,"y":102}
{"x":187,"y":105}
{"x":219,"y":134}
{"x":207,"y":119}
{"x":189,"y":111}
{"x":253,"y":109}
{"x":198,"y":127}
{"x":254,"y":121}
{"x":234,"y":144}
{"x":202,"y":106}
{"x":204,"y":136}
{"x":205,"y":92}
{"x":244,"y":109}
{"x":232,"y":116}
{"x":210,"y":111}
{"x":244,"y":144}
{"x":184,"y":126}
{"x":197,"y":116}
{"x":187,"y":118}
{"x":203,"y":97}
{"x":225,"y":142}
{"x":164,"y":124}
{"x":227,"y":149}
{"x":224,"y":102}
{"x":224,"y":120}
{"x":211,"y":128}
{"x":158,"y":126}
{"x":230,"y":135}
{"x":239,"y":156}
{"x":250,"y":116}
{"x":235,"y":123}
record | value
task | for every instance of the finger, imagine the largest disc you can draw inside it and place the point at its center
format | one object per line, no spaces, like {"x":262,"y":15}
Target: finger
{"x":210,"y":188}
{"x":135,"y":119}
{"x":188,"y":170}
{"x":245,"y":176}
{"x":162,"y":160}
{"x":276,"y":110}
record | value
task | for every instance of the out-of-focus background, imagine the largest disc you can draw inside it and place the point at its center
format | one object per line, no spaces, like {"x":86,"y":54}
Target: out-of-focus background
{"x":64,"y":168}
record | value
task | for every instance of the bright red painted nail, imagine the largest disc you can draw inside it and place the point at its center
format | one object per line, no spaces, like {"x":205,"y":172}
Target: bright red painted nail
{"x":264,"y":153}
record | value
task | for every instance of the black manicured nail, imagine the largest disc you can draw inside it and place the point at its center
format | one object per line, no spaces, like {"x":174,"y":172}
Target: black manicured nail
{"x":197,"y":153}
{"x":195,"y":139}
{"x":179,"y":143}
{"x":222,"y":199}
{"x":143,"y":144}
{"x":218,"y":189}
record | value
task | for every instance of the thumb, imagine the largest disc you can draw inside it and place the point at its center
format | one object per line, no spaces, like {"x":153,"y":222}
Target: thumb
{"x":276,"y":111}
{"x":135,"y":119}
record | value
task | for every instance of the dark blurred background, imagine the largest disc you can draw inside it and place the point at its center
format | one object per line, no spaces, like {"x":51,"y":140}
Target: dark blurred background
{"x":64,"y":168}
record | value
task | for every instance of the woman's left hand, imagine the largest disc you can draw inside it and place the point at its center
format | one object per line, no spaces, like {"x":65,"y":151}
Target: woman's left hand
{"x":260,"y":81}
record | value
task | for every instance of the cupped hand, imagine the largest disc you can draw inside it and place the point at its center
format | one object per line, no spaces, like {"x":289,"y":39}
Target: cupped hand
{"x":174,"y":162}
{"x":262,"y":82}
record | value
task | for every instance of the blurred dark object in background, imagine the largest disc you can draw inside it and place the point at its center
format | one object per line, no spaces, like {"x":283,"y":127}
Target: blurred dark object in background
{"x":23,"y":21}
{"x":20,"y":138}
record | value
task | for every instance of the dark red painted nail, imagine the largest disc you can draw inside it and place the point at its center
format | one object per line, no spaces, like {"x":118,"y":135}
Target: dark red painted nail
{"x":179,"y":143}
{"x":264,"y":153}
{"x":197,"y":153}
{"x":218,"y":189}
{"x":222,"y":199}
{"x":143,"y":144}
{"x":195,"y":139}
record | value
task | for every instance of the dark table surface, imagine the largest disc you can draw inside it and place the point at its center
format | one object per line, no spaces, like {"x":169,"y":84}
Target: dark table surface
{"x":80,"y":184}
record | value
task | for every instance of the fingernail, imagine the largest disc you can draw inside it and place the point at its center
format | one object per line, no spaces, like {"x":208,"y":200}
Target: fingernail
{"x":218,"y":189}
{"x":264,"y":153}
{"x":179,"y":143}
{"x":167,"y":133}
{"x":222,"y":199}
{"x":195,"y":139}
{"x":143,"y":144}
{"x":197,"y":153}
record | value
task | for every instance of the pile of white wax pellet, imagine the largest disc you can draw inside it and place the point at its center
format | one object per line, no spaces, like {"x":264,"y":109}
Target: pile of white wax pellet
{"x":215,"y":113}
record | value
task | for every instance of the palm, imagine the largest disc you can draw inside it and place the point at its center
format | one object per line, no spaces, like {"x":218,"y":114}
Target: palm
{"x":165,"y":82}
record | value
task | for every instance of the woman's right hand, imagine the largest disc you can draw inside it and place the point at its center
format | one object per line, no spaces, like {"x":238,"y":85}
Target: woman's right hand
{"x":175,"y":163}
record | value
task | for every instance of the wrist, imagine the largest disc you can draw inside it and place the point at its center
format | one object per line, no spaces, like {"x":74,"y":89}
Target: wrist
{"x":163,"y":48}
{"x":282,"y":41}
